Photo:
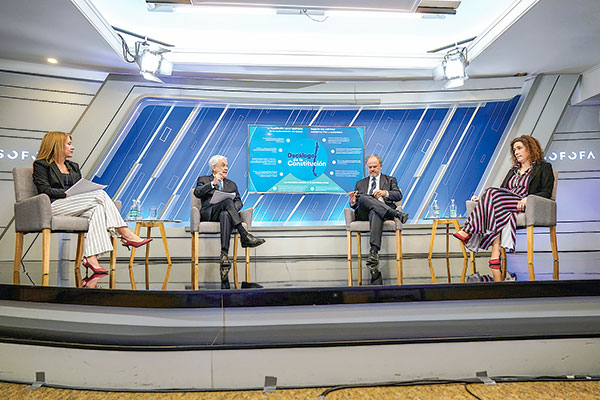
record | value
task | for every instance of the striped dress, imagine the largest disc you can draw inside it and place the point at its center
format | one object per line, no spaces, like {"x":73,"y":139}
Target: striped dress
{"x":496,"y":214}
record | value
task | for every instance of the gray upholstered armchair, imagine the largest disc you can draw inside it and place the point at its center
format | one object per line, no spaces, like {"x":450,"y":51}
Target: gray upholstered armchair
{"x":352,"y":225}
{"x":33,"y":214}
{"x":539,"y":211}
{"x":197,"y":226}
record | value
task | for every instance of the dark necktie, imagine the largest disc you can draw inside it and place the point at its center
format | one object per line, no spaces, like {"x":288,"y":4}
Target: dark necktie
{"x":373,"y":185}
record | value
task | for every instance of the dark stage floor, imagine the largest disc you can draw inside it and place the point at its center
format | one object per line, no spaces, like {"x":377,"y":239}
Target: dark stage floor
{"x":316,"y":272}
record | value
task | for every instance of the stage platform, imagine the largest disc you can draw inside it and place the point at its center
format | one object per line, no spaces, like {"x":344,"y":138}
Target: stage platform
{"x":312,"y":271}
{"x":305,"y":331}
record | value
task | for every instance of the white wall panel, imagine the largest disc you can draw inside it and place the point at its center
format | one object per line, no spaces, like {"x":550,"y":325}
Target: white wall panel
{"x":580,"y":119}
{"x":31,"y":105}
{"x":39,"y":115}
{"x":41,"y":82}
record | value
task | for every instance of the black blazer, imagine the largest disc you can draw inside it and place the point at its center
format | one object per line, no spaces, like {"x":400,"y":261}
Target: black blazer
{"x":541,"y":181}
{"x":204,"y":191}
{"x":386,"y":182}
{"x":49,"y":180}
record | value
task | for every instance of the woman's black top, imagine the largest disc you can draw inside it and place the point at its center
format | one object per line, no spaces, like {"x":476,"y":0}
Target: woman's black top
{"x":50,"y":180}
{"x":541,"y":180}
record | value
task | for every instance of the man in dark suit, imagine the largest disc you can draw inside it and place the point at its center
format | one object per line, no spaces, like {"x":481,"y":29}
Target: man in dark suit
{"x":373,"y":200}
{"x":226,"y":211}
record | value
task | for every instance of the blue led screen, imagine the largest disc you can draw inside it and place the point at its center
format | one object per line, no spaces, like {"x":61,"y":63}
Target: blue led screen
{"x":305,"y":159}
{"x":165,"y":144}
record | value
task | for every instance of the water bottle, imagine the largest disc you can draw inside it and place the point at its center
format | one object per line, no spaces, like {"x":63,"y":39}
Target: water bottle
{"x":138,"y":210}
{"x":132,"y":210}
{"x":435,"y":209}
{"x":452,"y":209}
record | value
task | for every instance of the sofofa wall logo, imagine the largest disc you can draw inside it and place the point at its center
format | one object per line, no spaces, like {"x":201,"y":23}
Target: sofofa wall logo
{"x":12,"y":154}
{"x":571,"y":155}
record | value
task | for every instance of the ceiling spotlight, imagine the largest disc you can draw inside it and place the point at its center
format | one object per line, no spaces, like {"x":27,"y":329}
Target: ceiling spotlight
{"x":148,"y":54}
{"x":453,"y":68}
{"x":52,"y":60}
{"x":152,"y":61}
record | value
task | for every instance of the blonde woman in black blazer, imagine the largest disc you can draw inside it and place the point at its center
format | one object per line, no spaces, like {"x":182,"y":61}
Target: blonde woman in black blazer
{"x":53,"y":174}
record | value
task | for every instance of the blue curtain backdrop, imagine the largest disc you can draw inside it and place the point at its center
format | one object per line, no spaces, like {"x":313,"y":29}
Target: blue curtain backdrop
{"x":434,"y":153}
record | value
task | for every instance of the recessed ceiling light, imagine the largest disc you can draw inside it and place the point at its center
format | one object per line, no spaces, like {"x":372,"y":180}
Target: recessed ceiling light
{"x":52,"y":60}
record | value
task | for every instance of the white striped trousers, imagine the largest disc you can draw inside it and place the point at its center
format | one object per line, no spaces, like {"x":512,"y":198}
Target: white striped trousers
{"x":102,"y":214}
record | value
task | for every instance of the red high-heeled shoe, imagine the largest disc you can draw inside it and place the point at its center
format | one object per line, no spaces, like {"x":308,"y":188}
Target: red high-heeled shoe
{"x":91,"y":282}
{"x":127,"y":243}
{"x":462,"y":238}
{"x":95,"y":270}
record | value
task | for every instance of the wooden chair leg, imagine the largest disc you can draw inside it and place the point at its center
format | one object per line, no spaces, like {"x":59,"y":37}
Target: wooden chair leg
{"x":112,"y":279}
{"x":399,"y":272}
{"x":236,"y":282}
{"x":45,"y":257}
{"x":349,"y":245}
{"x":530,"y":252}
{"x":247,"y":274}
{"x":17,"y":260}
{"x":359,"y":250}
{"x":554,"y":245}
{"x":78,"y":257}
{"x":194,"y":269}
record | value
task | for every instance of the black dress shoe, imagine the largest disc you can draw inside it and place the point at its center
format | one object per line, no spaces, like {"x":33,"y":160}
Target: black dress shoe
{"x":224,"y":260}
{"x":376,"y":278}
{"x":403,"y":217}
{"x":373,"y":260}
{"x":224,"y":270}
{"x":250,"y":241}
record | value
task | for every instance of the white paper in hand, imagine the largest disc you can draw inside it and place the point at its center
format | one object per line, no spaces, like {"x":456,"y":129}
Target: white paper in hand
{"x":219,"y":196}
{"x":83,"y":186}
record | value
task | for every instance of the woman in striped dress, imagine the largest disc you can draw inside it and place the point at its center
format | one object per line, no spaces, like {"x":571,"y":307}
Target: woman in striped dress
{"x":493,"y":221}
{"x":53,"y":174}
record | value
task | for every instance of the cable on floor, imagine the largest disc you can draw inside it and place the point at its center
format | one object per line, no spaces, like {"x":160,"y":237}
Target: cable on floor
{"x":471,"y":393}
{"x":465,"y":382}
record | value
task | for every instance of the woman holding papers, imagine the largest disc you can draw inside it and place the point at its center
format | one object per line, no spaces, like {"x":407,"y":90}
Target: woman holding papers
{"x":54,"y":174}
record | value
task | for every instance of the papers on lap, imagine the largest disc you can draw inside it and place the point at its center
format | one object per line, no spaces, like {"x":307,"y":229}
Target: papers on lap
{"x":83,"y":186}
{"x":219,"y":196}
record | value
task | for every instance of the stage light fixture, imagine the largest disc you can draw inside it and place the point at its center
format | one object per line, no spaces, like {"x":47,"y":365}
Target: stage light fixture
{"x":148,"y":54}
{"x":453,"y":68}
{"x":152,"y":61}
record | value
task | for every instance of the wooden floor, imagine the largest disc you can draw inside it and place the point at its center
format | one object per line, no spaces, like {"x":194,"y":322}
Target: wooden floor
{"x":503,"y":391}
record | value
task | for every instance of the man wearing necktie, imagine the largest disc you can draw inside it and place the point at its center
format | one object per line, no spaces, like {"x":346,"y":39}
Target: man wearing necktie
{"x":373,"y":200}
{"x":226,"y":212}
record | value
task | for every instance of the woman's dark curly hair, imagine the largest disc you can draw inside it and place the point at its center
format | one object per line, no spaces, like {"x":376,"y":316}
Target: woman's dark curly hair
{"x":531,"y":144}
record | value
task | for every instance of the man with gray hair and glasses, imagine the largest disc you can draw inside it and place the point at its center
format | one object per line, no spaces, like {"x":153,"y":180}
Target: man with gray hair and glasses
{"x":226,"y":211}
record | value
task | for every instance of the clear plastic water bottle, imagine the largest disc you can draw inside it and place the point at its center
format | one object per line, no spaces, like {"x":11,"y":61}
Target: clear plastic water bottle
{"x":132,"y":210}
{"x":452,"y":209}
{"x":435,"y":209}
{"x":138,"y":210}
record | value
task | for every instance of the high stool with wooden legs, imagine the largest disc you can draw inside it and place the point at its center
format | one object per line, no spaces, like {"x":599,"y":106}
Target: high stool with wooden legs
{"x":352,"y":225}
{"x":197,"y":226}
{"x":539,"y":212}
{"x":33,"y":214}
